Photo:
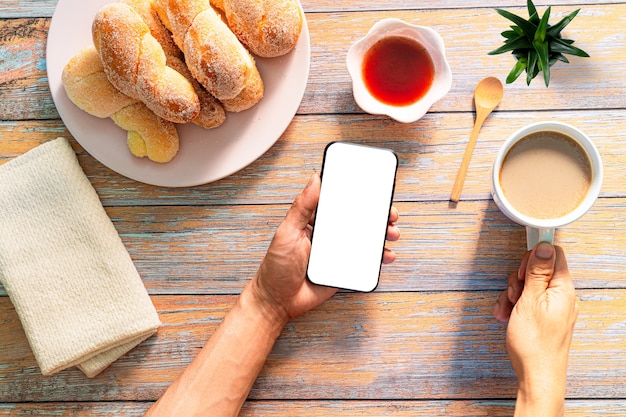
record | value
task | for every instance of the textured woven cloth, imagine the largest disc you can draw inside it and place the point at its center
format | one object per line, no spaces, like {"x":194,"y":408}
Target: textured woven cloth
{"x":74,"y":286}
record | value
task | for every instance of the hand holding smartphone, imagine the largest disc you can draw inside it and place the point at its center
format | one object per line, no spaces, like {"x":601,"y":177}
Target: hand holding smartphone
{"x":352,"y":215}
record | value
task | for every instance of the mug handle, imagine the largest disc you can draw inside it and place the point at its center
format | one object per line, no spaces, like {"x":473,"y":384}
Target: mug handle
{"x":534,"y":236}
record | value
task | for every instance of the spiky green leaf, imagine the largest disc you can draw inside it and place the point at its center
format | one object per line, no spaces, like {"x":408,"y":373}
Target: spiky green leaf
{"x":560,"y":46}
{"x":535,"y":44}
{"x":516,"y":71}
{"x":562,"y":58}
{"x":542,"y":28}
{"x":535,"y":73}
{"x":512,"y":44}
{"x":555,"y":30}
{"x":543,"y":61}
{"x":532,"y":10}
{"x":534,"y":19}
{"x":528,"y":28}
{"x":517,"y":30}
{"x":531,"y":67}
{"x":509,"y":34}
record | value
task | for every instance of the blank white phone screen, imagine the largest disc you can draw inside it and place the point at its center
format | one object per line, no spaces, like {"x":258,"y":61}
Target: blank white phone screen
{"x":352,"y":216}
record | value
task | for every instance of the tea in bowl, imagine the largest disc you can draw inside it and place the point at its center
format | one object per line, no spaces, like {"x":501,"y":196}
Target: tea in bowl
{"x":399,"y":70}
{"x":546,"y":175}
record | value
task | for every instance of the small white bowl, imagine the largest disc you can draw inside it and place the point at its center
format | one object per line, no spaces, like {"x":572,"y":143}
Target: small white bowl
{"x":425,"y":36}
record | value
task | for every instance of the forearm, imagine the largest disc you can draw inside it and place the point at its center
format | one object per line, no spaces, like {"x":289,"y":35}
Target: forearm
{"x":541,"y":399}
{"x":218,"y":380}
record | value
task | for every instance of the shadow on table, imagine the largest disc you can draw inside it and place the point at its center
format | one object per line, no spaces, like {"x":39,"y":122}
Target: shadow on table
{"x":482,"y":367}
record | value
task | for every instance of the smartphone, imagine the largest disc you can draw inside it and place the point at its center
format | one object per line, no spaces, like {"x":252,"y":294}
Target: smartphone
{"x":352,"y":215}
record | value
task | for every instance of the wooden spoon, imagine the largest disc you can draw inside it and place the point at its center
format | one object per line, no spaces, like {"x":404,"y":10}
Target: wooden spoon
{"x":487,"y":96}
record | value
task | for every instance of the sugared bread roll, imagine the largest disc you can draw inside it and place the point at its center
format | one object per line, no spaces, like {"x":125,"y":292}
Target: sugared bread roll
{"x":269,"y":28}
{"x":149,"y":14}
{"x":89,"y":89}
{"x":212,"y":112}
{"x":212,"y":52}
{"x":252,"y":93}
{"x":148,"y":134}
{"x":135,"y":63}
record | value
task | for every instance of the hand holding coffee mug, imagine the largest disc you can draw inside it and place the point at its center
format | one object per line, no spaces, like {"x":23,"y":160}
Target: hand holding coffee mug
{"x":546,"y":175}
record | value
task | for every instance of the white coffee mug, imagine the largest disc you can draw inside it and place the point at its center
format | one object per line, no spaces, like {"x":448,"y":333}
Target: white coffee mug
{"x":542,"y":230}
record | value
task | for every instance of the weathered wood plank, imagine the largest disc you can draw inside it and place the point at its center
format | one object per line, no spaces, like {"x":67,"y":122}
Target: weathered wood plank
{"x":594,"y":83}
{"x":215,"y":250}
{"x":432,"y":353}
{"x":27,"y":8}
{"x":591,"y":83}
{"x":442,"y":345}
{"x":205,"y":251}
{"x":24,"y":91}
{"x":393,"y":408}
{"x":45,"y":8}
{"x":430,"y":153}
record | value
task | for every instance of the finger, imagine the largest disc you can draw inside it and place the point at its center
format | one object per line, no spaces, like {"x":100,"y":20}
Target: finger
{"x":515,"y":288}
{"x":389,"y":256}
{"x":540,"y":268}
{"x":516,"y":280}
{"x":393,"y":233}
{"x":521,"y":272}
{"x":503,"y":308}
{"x":394,"y":214}
{"x":562,"y":279}
{"x":321,"y":292}
{"x":562,"y":282}
{"x":561,"y":274}
{"x":303,"y":207}
{"x":309,"y":231}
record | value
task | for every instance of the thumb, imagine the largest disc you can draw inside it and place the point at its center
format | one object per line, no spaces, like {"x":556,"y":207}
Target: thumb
{"x":540,"y":268}
{"x":304,"y":205}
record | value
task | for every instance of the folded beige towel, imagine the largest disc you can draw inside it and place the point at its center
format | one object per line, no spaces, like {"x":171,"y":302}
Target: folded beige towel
{"x":72,"y":282}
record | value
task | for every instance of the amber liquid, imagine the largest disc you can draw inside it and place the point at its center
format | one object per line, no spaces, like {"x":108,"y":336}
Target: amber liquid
{"x":546,"y":175}
{"x":398,"y":71}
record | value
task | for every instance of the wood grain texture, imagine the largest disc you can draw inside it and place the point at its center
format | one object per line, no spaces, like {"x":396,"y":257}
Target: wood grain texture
{"x":24,"y":91}
{"x":204,"y":250}
{"x":392,"y":408}
{"x":475,"y":250}
{"x":430,"y":152}
{"x":431,"y":345}
{"x":45,"y":8}
{"x":592,"y":83}
{"x":423,"y":344}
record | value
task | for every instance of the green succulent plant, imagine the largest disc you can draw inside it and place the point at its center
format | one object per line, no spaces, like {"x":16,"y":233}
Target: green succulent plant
{"x":536,"y":44}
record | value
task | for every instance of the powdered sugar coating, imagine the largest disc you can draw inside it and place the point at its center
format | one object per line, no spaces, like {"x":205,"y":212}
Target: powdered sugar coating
{"x":87,"y":86}
{"x":213,"y":54}
{"x":89,"y":89}
{"x":212,"y":112}
{"x":269,"y":28}
{"x":248,"y":97}
{"x":148,"y":12}
{"x":135,"y":63}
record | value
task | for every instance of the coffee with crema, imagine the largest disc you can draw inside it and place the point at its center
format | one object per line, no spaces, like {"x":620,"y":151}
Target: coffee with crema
{"x":546,"y":175}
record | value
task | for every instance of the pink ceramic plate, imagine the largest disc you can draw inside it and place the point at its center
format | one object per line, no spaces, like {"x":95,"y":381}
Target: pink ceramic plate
{"x":205,"y":155}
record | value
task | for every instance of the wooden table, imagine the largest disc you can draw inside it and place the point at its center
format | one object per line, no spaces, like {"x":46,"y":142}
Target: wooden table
{"x":424,"y":343}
